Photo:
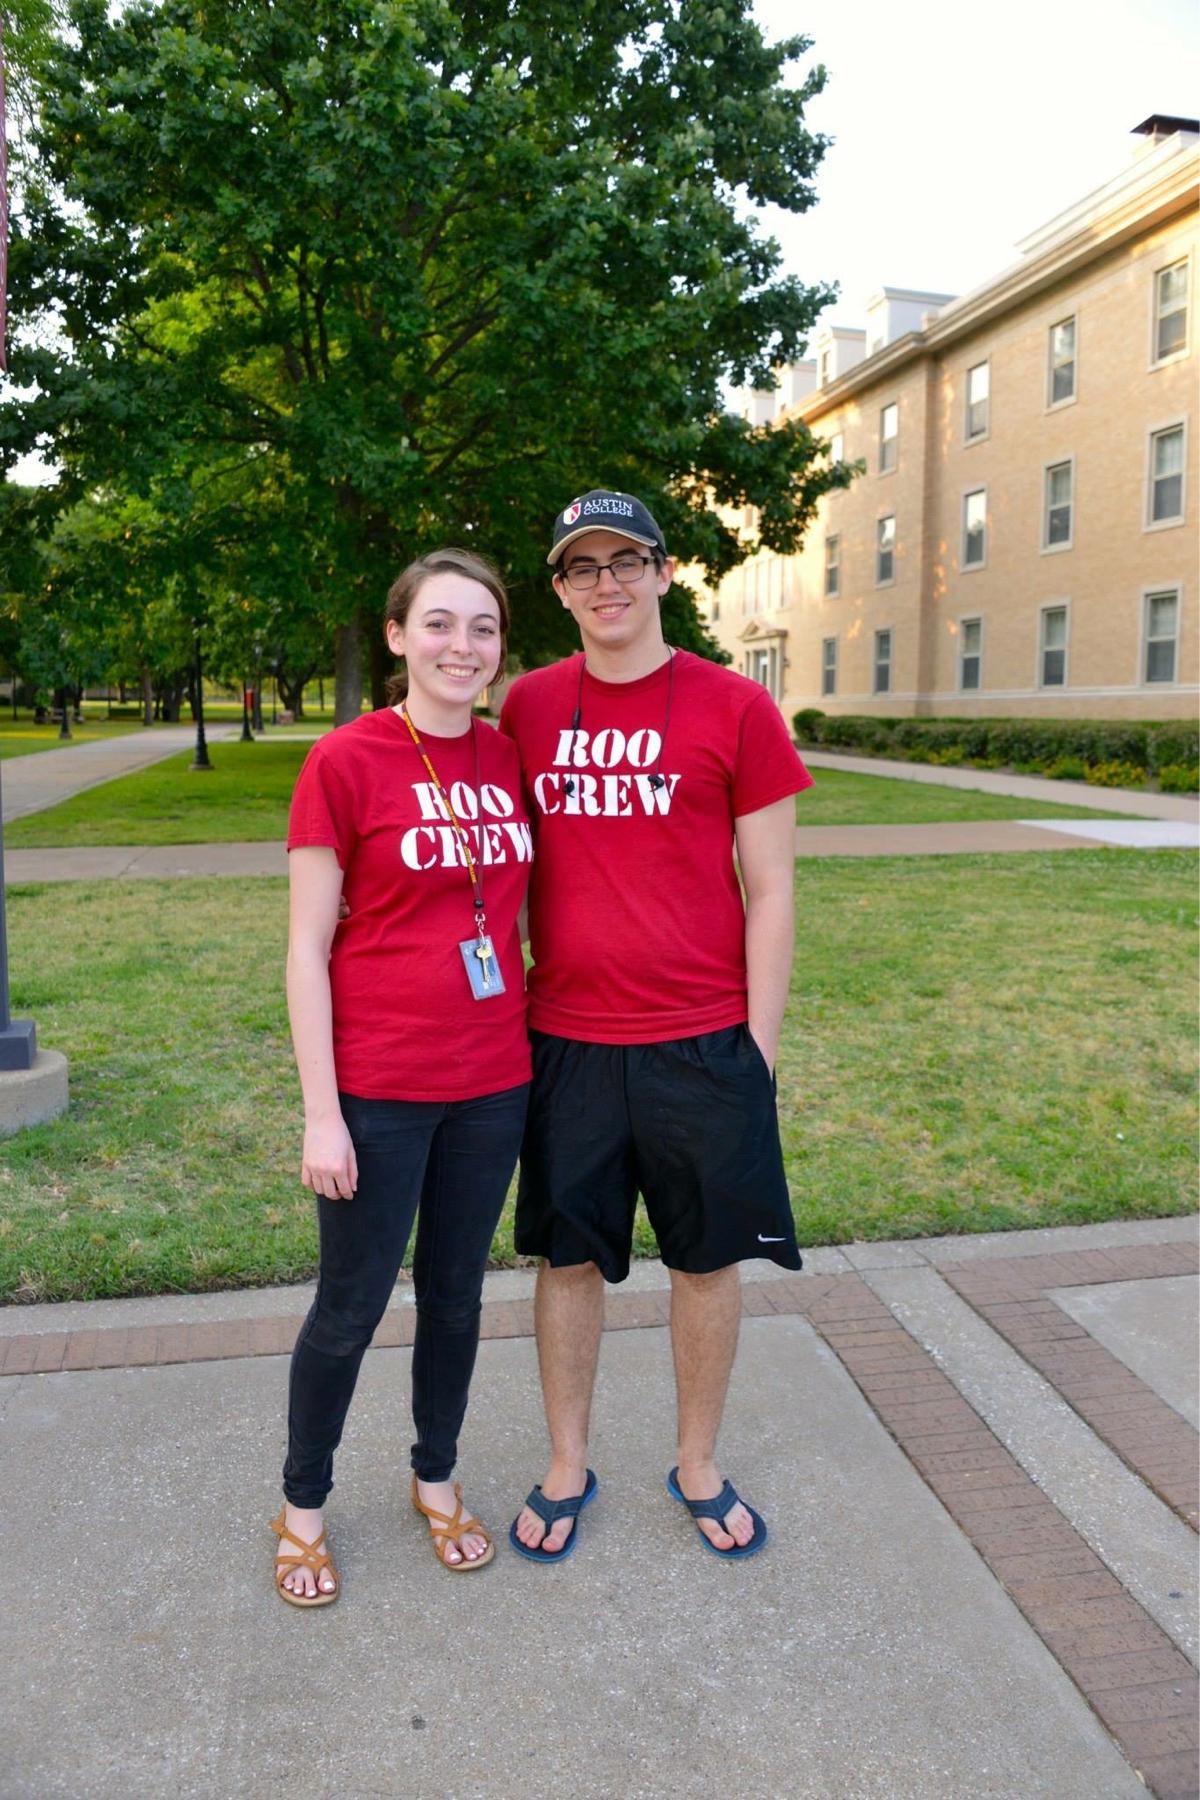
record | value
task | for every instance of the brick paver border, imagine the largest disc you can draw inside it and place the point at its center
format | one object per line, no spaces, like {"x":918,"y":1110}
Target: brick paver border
{"x":1157,"y":1443}
{"x":1145,"y":1692}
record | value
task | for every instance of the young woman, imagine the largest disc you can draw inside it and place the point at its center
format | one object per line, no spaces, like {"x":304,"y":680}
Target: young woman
{"x":408,"y":1020}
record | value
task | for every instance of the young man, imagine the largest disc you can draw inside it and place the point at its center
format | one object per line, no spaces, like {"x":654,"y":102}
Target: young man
{"x":656,"y":999}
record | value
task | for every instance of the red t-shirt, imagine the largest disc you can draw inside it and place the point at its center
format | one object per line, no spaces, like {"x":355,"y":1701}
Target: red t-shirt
{"x":636,"y":914}
{"x":405,"y":1025}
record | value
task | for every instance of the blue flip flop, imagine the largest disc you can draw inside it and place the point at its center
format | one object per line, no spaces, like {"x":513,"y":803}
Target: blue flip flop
{"x":717,"y":1509}
{"x":548,"y":1511}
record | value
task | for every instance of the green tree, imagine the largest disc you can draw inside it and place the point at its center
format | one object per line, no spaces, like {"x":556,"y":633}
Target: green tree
{"x":422,"y":272}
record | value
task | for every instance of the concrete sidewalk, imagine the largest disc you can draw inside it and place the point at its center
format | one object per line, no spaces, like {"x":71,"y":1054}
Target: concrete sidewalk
{"x":951,"y":838}
{"x":30,"y":784}
{"x":976,"y":1456}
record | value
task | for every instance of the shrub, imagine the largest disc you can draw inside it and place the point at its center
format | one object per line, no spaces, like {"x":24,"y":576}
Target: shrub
{"x":1066,"y":768}
{"x":1115,"y":774}
{"x":1179,"y":778}
{"x":806,"y":724}
{"x":1174,"y":746}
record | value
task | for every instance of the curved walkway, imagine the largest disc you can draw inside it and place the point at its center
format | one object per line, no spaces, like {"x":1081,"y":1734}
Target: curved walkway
{"x":30,"y":784}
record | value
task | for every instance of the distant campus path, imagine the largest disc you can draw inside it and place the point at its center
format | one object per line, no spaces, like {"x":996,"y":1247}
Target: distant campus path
{"x":30,"y":784}
{"x":1149,"y":821}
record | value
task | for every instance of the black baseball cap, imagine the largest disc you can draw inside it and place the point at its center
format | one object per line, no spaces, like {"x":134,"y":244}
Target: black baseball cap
{"x":602,"y":510}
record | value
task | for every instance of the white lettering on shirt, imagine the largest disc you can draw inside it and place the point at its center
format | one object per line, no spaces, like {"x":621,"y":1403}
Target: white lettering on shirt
{"x":578,"y":750}
{"x":436,"y":845}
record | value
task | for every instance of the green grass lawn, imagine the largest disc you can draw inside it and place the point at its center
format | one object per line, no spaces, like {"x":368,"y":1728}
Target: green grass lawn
{"x":973,"y":1043}
{"x":842,"y":797}
{"x":21,"y":737}
{"x":245,"y":799}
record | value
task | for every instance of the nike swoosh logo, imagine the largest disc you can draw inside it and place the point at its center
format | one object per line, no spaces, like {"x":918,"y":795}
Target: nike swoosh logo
{"x":764,"y":1240}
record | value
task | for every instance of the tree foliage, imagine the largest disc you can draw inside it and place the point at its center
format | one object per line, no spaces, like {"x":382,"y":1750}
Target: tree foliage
{"x":337,"y":280}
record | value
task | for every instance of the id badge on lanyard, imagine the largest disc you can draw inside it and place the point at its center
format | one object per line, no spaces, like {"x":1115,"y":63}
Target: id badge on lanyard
{"x":483,"y":971}
{"x":478,"y":953}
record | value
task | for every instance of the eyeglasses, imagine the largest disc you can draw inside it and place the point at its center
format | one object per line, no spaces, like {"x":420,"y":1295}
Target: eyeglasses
{"x":625,"y":568}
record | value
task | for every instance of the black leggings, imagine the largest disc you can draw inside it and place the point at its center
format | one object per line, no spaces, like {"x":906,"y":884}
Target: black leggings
{"x":454,"y":1159}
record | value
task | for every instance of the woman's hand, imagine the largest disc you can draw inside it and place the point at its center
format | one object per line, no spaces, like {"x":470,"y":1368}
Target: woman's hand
{"x":329,"y":1165}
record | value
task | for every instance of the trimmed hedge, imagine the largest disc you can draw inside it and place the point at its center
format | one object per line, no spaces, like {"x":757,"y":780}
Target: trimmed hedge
{"x":1068,"y":749}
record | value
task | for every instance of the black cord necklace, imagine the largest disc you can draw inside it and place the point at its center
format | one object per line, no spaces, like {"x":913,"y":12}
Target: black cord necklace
{"x":656,"y":780}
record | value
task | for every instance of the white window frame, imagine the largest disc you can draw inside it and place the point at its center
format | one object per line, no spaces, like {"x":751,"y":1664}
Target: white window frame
{"x":1068,"y":543}
{"x":970,"y":619}
{"x":837,"y":446}
{"x":1049,"y":606}
{"x":880,"y":631}
{"x":829,"y":666}
{"x":894,"y":440}
{"x":1153,"y":591}
{"x":833,"y":568}
{"x":1053,"y":405}
{"x":824,"y":365}
{"x":1149,"y":522}
{"x":1173,"y":356}
{"x":977,"y":437}
{"x":885,"y":580}
{"x":968,"y":568}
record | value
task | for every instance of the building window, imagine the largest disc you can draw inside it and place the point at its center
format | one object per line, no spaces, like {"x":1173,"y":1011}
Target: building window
{"x":889,"y":432}
{"x":1053,"y":653}
{"x":716,"y":610}
{"x":828,"y":667}
{"x":824,"y":366}
{"x":885,"y":549}
{"x":974,"y":543}
{"x":1162,"y":634}
{"x":833,"y":565}
{"x":883,"y":662}
{"x":1170,"y":311}
{"x":1166,"y":476}
{"x":837,"y":447}
{"x":978,"y":383}
{"x":1056,"y":530}
{"x":1062,"y":362}
{"x":970,"y":655}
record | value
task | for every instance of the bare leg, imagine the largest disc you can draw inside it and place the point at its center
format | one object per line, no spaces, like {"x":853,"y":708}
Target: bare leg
{"x":569,"y":1316}
{"x":705,"y":1314}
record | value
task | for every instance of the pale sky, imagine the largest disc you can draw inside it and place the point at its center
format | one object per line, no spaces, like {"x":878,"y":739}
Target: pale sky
{"x":961,"y":127}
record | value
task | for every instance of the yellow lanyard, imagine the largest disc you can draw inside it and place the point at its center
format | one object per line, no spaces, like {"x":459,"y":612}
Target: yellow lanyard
{"x":459,"y":829}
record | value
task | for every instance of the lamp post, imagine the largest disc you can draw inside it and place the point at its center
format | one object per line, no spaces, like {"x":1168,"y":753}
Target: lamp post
{"x":18,"y":1037}
{"x":201,"y":759}
{"x":247,"y":736}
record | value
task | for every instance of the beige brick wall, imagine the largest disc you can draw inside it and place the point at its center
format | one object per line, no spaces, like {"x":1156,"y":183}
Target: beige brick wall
{"x":1102,"y":578}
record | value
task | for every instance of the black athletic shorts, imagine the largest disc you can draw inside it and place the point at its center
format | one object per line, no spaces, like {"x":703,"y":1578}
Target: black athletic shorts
{"x":689,"y":1123}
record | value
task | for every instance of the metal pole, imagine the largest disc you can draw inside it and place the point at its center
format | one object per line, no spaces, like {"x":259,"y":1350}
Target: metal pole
{"x":18,"y":1037}
{"x":200,"y":760}
{"x":247,"y":736}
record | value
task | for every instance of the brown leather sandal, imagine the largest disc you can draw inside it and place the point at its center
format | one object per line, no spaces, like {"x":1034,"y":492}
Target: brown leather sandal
{"x":311,"y":1556}
{"x":444,"y":1531}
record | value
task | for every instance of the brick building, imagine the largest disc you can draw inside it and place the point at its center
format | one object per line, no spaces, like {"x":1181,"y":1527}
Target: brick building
{"x":1023,"y":540}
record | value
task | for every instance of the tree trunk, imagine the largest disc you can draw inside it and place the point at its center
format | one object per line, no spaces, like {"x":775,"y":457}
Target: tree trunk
{"x":381,"y":668}
{"x":291,"y":692}
{"x":347,"y":672}
{"x":147,"y":698}
{"x":171,"y":701}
